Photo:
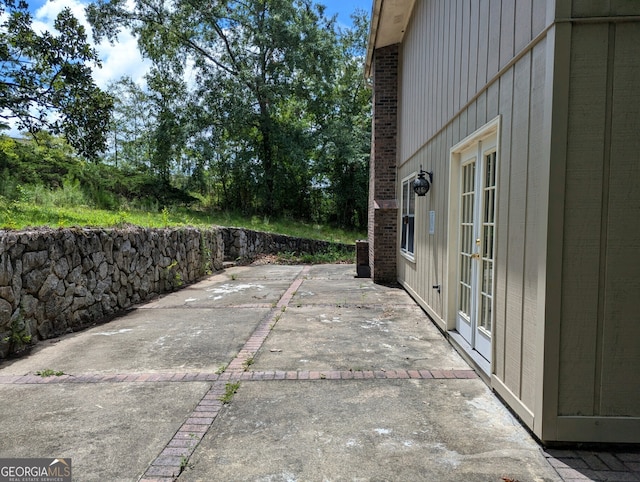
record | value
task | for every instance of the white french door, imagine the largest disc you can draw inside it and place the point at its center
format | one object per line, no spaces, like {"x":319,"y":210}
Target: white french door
{"x":476,"y":243}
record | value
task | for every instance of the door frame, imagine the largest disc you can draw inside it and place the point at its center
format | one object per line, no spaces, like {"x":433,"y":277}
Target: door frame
{"x":455,"y":159}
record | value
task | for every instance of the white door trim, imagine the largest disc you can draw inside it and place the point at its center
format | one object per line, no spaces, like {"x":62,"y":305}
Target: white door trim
{"x":453,"y":229}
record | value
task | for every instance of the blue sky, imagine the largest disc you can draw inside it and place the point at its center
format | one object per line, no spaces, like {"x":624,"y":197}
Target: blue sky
{"x":344,"y":8}
{"x":123,"y":58}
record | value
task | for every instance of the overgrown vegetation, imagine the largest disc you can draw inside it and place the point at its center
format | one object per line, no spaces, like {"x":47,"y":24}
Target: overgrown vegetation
{"x":20,"y":337}
{"x":253,"y":114}
{"x":332,"y":255}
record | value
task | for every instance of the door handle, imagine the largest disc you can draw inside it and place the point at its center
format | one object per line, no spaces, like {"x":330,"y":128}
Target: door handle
{"x":475,"y":256}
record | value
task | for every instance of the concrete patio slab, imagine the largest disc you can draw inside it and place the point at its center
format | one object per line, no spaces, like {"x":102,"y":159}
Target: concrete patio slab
{"x":112,"y":432}
{"x":148,"y":341}
{"x":425,"y":430}
{"x":356,"y":338}
{"x":339,"y":292}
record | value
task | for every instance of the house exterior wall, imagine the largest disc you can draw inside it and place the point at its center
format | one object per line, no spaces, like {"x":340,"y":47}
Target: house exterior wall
{"x":561,"y":83}
{"x":599,"y":351}
{"x":458,"y":72}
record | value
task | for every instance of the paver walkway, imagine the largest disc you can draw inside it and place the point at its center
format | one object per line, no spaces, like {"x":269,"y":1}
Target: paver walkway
{"x":335,"y":378}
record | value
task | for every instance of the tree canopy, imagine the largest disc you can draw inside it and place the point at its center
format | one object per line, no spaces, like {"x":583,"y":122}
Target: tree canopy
{"x":262,"y":102}
{"x":46,"y":82}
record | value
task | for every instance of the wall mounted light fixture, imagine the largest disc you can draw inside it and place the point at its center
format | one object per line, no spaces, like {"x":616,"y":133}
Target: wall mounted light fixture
{"x":421,"y":185}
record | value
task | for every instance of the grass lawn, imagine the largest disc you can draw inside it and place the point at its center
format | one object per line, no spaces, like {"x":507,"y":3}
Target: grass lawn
{"x":21,"y":215}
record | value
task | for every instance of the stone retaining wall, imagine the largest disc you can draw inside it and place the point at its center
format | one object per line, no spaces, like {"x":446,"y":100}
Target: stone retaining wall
{"x":240,"y":243}
{"x":57,"y":281}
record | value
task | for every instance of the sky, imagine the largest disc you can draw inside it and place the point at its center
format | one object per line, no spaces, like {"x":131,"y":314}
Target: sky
{"x":123,"y":58}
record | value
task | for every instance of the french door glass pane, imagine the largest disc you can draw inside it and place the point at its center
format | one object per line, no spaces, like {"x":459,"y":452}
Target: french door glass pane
{"x":488,"y":241}
{"x":466,"y":237}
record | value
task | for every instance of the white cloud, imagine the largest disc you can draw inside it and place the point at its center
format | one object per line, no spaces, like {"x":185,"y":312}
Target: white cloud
{"x":122,"y":58}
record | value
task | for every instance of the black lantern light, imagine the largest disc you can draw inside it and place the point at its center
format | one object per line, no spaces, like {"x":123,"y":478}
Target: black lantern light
{"x":421,"y":185}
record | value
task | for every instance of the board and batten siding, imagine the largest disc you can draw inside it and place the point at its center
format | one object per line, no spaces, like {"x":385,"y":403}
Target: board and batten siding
{"x":464,"y":63}
{"x":601,"y":271}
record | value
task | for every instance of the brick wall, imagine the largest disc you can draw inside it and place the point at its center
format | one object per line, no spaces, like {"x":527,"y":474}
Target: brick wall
{"x":383,"y":207}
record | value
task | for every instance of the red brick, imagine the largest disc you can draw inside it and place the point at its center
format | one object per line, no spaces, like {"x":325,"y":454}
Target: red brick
{"x":179,"y":451}
{"x":413,"y":373}
{"x":179,"y":442}
{"x":209,"y":414}
{"x":195,"y":428}
{"x":199,"y":421}
{"x":167,"y":460}
{"x":183,"y":434}
{"x":167,"y":471}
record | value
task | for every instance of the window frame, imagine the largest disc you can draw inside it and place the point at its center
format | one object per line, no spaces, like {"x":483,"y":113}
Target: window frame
{"x":407,"y":218}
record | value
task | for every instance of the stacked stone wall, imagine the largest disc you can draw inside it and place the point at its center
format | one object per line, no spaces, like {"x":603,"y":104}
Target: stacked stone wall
{"x":57,"y":281}
{"x":54,"y":282}
{"x":240,"y":243}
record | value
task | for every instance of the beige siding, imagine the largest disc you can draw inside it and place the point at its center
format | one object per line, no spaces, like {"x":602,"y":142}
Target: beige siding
{"x":601,"y":277}
{"x":502,"y":243}
{"x":452,"y":48}
{"x":583,"y":210}
{"x":452,"y":72}
{"x":621,"y":350}
{"x":600,"y":8}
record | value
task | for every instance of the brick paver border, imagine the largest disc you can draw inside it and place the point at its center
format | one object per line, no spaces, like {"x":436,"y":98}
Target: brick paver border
{"x":242,"y":375}
{"x":585,"y":465}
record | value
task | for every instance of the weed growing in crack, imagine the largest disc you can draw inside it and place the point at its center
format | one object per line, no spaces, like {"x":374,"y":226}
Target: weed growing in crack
{"x":49,"y":373}
{"x":247,"y":363}
{"x":229,"y":391}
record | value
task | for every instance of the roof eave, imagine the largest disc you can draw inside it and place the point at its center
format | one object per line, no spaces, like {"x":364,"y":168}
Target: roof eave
{"x":389,"y":21}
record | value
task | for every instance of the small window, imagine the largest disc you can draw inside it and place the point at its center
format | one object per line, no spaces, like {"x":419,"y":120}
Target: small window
{"x":408,"y":217}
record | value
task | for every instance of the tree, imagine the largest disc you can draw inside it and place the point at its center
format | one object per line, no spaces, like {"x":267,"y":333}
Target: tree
{"x":262,"y":67}
{"x":131,"y":128}
{"x":344,"y":136}
{"x":45,"y":80}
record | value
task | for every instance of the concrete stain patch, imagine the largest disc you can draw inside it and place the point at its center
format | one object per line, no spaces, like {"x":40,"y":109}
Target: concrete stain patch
{"x":343,"y":432}
{"x":219,"y":292}
{"x":111,"y":333}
